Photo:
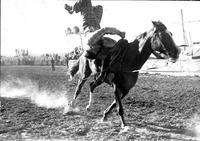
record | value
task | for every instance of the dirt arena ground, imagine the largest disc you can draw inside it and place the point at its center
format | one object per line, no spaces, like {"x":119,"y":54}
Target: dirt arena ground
{"x":159,"y":107}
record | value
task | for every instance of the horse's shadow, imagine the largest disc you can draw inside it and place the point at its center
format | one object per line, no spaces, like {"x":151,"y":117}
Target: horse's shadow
{"x":167,"y":129}
{"x":168,"y":132}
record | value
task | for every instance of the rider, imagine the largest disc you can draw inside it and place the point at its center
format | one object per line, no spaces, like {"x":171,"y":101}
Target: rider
{"x":91,"y":24}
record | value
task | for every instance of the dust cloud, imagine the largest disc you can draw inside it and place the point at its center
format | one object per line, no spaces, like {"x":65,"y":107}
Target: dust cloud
{"x":27,"y":89}
{"x":194,"y":126}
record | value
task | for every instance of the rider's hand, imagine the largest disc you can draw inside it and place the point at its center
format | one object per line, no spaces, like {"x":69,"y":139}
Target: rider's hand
{"x":122,"y":35}
{"x":68,"y":8}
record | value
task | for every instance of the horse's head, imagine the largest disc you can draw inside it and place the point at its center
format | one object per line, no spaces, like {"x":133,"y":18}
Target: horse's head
{"x":162,"y":41}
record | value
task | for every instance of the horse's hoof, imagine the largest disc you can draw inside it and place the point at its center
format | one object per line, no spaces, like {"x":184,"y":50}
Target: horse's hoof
{"x":72,"y":104}
{"x":88,"y":108}
{"x":125,"y":129}
{"x":103,"y":119}
{"x":70,"y":76}
{"x":104,"y":122}
{"x":67,"y":110}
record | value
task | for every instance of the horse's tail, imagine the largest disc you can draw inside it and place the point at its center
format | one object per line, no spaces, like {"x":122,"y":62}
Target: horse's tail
{"x":73,"y":69}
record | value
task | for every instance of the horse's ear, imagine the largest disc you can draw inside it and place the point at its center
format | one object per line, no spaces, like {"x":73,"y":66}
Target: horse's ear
{"x":144,"y":34}
{"x":154,"y":23}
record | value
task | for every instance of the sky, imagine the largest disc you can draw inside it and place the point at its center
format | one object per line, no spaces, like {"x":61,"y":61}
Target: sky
{"x":38,"y":25}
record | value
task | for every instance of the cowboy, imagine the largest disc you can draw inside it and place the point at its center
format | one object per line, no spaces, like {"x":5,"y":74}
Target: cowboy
{"x":91,"y":24}
{"x":53,"y":64}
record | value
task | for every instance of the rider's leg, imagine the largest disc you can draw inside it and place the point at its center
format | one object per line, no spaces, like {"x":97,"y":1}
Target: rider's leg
{"x":95,"y":39}
{"x":93,"y":51}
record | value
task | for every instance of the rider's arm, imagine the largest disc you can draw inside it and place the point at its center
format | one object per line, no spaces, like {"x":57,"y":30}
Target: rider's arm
{"x":113,"y":31}
{"x":69,"y":8}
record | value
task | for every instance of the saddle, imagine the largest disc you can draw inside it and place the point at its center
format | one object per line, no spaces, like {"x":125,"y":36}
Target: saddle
{"x":113,"y":56}
{"x":105,"y":44}
{"x":117,"y":55}
{"x":108,"y":42}
{"x":113,"y":60}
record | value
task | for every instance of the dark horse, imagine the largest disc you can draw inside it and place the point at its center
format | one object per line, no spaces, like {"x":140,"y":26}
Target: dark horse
{"x":136,"y":54}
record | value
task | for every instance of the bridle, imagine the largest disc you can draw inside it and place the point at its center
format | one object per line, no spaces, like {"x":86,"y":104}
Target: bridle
{"x":141,"y":45}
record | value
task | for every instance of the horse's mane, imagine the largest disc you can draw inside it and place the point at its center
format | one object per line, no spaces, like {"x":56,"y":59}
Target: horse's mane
{"x":142,"y":35}
{"x":137,"y":39}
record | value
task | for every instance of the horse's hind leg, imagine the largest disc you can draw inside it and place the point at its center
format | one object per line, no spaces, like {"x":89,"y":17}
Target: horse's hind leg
{"x":109,"y":109}
{"x":78,"y":90}
{"x":117,"y":101}
{"x":93,"y":85}
{"x":120,"y":110}
{"x":81,"y":82}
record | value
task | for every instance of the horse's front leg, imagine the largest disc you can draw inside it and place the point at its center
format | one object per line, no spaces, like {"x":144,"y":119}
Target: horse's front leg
{"x":98,"y":81}
{"x":78,"y":90}
{"x":109,"y":109}
{"x":120,"y":110}
{"x":93,"y":85}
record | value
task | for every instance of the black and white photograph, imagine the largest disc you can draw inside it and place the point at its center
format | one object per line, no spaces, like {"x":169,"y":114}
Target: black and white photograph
{"x":100,"y":70}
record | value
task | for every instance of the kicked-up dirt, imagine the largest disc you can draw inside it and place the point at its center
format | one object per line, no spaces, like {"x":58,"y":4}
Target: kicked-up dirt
{"x":159,"y":107}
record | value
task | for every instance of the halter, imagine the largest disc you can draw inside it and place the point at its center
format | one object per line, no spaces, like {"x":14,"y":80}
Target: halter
{"x":141,"y":45}
{"x":149,"y":34}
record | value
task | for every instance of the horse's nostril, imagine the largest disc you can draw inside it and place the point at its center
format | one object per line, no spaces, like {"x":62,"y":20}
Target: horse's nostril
{"x":173,"y":60}
{"x":174,"y":54}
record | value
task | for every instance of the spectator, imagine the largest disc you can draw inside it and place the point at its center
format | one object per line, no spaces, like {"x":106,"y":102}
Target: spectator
{"x":53,"y":64}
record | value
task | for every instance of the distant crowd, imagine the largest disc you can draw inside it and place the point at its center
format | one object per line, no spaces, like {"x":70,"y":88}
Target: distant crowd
{"x":23,"y":57}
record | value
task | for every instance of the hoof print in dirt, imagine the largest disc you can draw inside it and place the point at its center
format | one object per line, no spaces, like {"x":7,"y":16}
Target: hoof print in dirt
{"x":82,"y":131}
{"x":71,"y":113}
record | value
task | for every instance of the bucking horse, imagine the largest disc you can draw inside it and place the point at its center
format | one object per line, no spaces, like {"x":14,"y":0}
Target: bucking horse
{"x":125,"y":67}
